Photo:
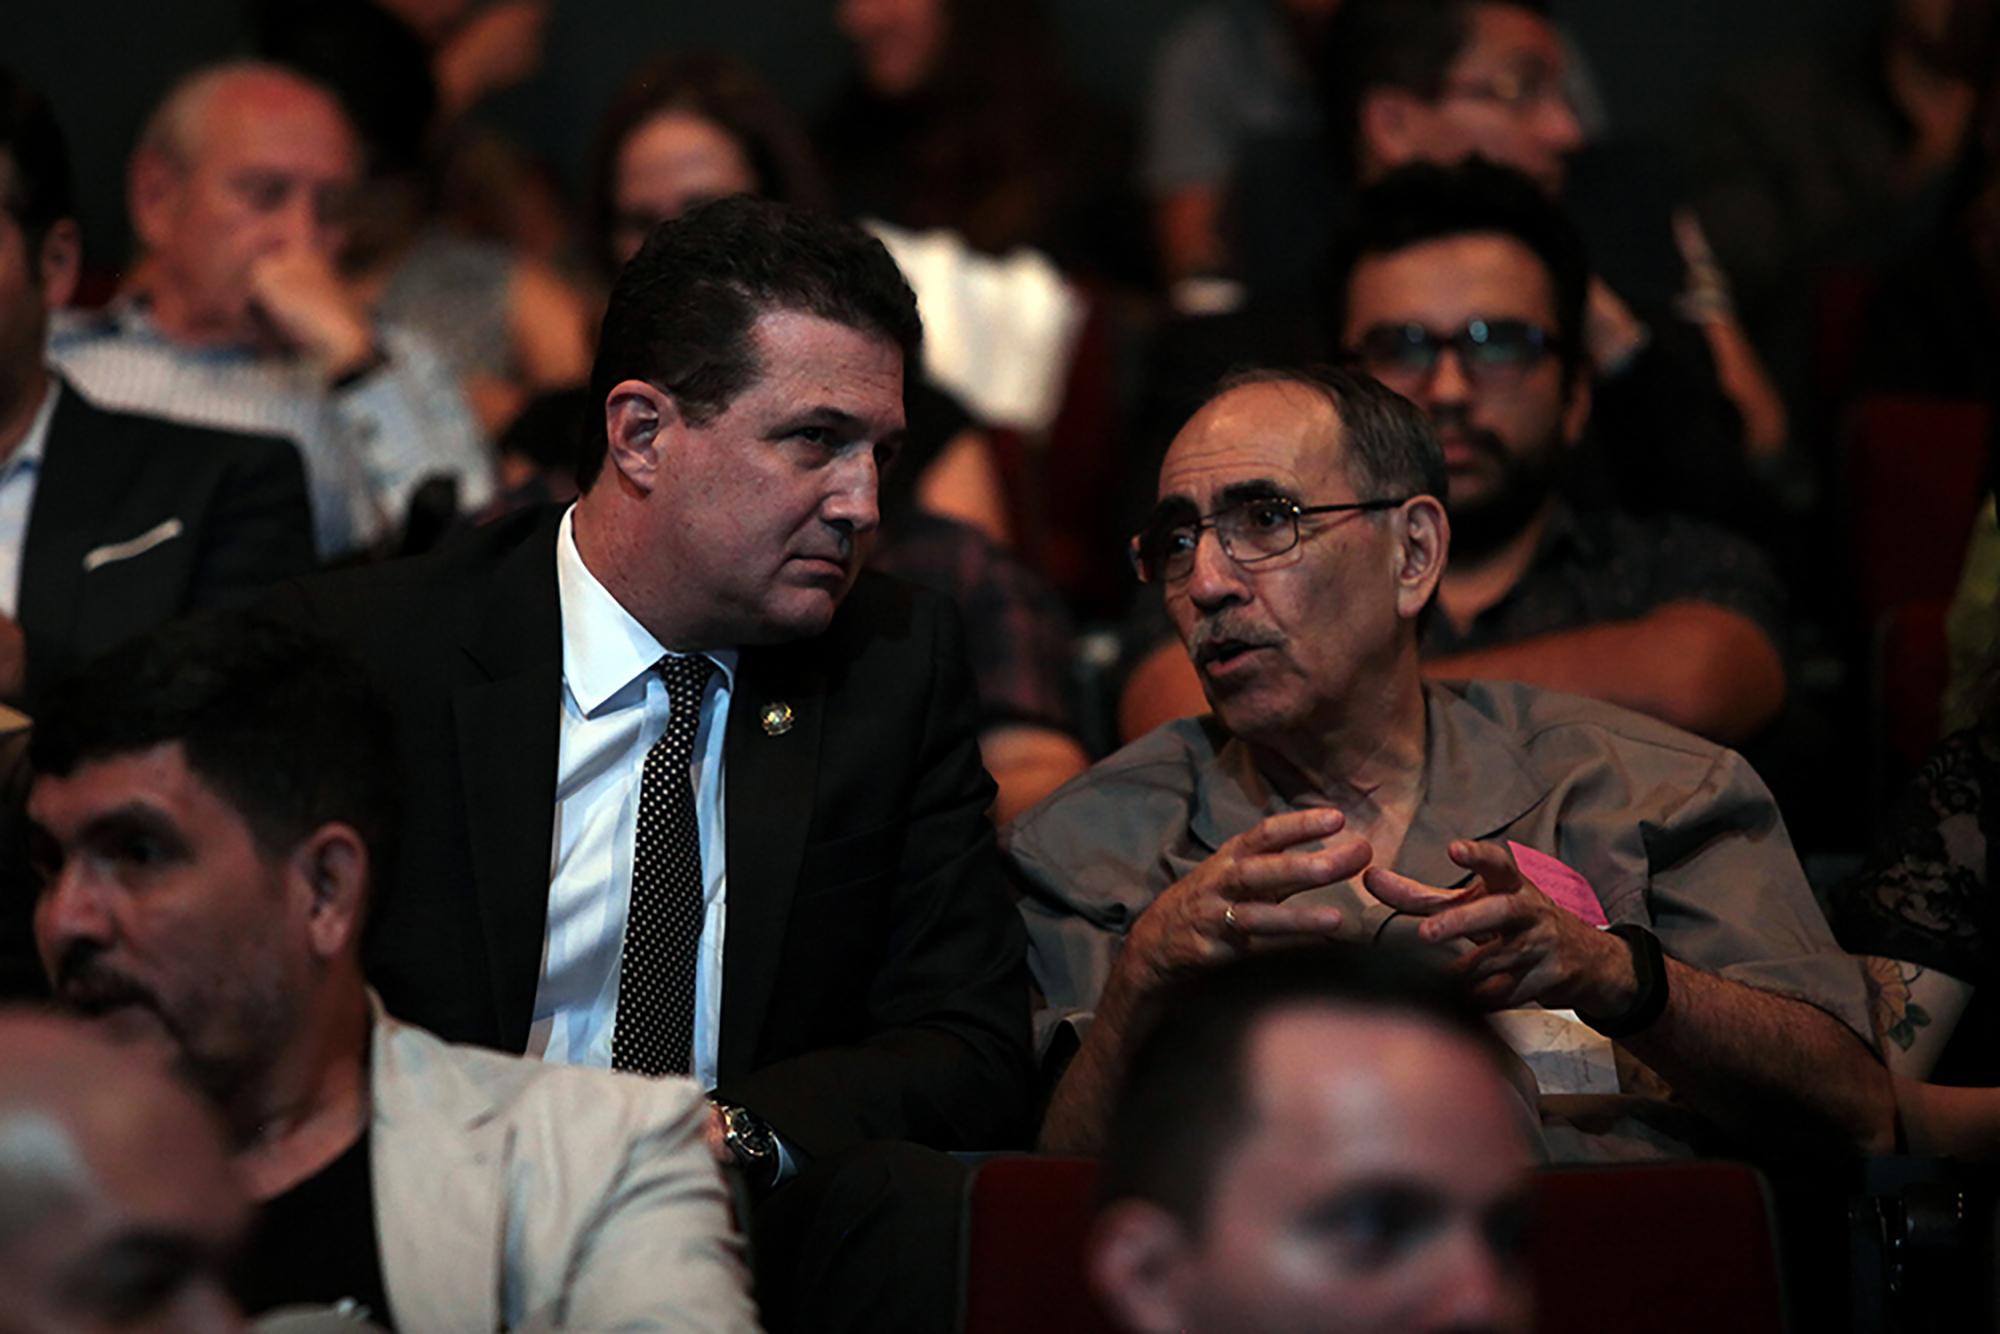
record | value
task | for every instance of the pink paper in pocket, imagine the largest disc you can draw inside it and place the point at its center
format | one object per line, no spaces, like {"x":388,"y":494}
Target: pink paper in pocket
{"x":1568,"y":889}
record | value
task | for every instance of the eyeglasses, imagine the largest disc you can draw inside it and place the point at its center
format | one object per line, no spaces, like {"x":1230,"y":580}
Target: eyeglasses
{"x":1251,"y":530}
{"x":1515,"y":90}
{"x":1494,"y":354}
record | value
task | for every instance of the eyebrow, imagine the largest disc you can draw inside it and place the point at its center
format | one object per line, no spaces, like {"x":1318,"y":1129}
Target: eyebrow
{"x":1177,"y":507}
{"x":122,"y":822}
{"x":839,"y":419}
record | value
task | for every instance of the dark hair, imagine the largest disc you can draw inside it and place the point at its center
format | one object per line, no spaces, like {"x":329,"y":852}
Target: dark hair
{"x":682,"y":310}
{"x":34,"y":164}
{"x":1392,"y":450}
{"x":1185,"y":1090}
{"x":1424,"y":202}
{"x":1406,"y":44}
{"x":724,"y":92}
{"x":283,"y":725}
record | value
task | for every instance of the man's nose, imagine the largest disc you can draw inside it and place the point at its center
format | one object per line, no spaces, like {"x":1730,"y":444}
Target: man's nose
{"x":1215,"y":579}
{"x":1448,"y":381}
{"x":1479,"y":1291}
{"x":854,"y":502}
{"x":1560,"y":129}
{"x":70,"y":909}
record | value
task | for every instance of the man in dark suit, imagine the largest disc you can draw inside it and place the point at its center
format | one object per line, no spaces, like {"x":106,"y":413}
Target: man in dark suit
{"x":800,"y":905}
{"x":109,"y":523}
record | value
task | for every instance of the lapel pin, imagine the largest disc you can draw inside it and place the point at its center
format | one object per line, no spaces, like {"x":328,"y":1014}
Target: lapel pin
{"x":776,"y":717}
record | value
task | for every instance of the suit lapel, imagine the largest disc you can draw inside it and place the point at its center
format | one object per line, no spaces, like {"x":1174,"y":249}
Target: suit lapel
{"x":62,"y":525}
{"x":769,"y":782}
{"x":437,"y":1159}
{"x":506,"y":722}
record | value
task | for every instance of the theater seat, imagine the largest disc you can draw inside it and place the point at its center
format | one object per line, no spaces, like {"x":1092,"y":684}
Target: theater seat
{"x":1681,"y":1247}
{"x":1026,"y":1222}
{"x":1915,"y":476}
{"x":1603,"y":1236}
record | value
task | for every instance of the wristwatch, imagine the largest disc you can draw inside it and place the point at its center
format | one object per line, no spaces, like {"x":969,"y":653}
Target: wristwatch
{"x":1649,"y":969}
{"x":753,"y":1144}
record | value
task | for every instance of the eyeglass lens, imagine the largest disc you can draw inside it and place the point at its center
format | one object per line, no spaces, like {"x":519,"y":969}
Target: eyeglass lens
{"x":1488,"y":350}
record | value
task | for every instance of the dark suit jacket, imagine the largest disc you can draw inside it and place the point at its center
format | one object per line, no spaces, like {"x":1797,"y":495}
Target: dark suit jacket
{"x":873,"y":976}
{"x":137,"y":520}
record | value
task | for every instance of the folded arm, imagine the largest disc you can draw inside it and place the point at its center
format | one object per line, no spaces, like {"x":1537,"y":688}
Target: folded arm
{"x":1698,"y":666}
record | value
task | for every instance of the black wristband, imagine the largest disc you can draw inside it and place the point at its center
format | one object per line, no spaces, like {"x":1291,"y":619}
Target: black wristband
{"x":1649,"y":966}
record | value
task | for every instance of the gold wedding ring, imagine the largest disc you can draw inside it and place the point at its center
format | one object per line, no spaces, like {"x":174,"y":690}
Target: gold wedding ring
{"x":1229,"y":918}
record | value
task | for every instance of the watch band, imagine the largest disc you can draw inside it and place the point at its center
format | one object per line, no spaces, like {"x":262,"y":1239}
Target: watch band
{"x":1649,"y":966}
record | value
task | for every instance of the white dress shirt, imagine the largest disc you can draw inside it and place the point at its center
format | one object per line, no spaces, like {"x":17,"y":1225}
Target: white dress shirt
{"x":614,"y":707}
{"x":19,"y":476}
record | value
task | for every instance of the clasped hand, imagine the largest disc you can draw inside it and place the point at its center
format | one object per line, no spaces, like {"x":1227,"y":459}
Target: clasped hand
{"x":1526,"y":948}
{"x":1243,"y":892}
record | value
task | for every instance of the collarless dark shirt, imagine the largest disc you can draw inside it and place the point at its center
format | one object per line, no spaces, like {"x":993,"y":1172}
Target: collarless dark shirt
{"x":1594,"y":568}
{"x":315,"y":1245}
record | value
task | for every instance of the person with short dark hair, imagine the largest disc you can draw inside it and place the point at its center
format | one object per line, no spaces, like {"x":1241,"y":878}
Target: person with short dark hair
{"x":109,"y":522}
{"x":691,"y":791}
{"x":1334,"y":791}
{"x":211,"y":806}
{"x":1317,"y":1139}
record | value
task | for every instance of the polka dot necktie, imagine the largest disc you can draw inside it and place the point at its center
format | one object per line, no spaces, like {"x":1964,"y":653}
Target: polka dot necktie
{"x":654,"y":1034}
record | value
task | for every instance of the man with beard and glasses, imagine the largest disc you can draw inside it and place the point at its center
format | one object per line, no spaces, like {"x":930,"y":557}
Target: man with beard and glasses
{"x":1333,"y":791}
{"x":210,"y":808}
{"x":1463,"y":289}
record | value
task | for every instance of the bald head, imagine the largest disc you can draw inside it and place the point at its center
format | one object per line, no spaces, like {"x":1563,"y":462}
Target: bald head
{"x":117,"y":1202}
{"x":240,"y":163}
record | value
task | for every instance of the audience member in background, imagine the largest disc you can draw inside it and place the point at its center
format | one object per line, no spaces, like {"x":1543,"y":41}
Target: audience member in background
{"x":236,"y":315}
{"x":1228,"y":72}
{"x":109,"y":522}
{"x":1441,"y":80}
{"x":1317,"y":1141}
{"x":678,"y":713}
{"x":1922,"y":919}
{"x":961,"y":116}
{"x":1840,"y":161}
{"x":119,"y":1208}
{"x":1299,"y":539}
{"x":212,"y":805}
{"x":506,"y":324}
{"x":692,"y":128}
{"x":684,"y":130}
{"x":1463,"y":289}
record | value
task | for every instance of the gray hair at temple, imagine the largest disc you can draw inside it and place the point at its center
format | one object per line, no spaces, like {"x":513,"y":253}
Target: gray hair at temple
{"x":1392,"y":450}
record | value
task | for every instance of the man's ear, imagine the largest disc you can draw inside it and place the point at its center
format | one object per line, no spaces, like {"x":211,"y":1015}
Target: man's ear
{"x":153,"y":194}
{"x":639,"y":417}
{"x":1138,"y":1260}
{"x":331,"y":865}
{"x":1423,"y":546}
{"x":61,"y":260}
{"x":1389,"y":123}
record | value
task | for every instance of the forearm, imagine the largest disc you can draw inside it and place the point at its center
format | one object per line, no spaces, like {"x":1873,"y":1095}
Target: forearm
{"x":1694,"y":665}
{"x":1079,"y":1111}
{"x":1945,"y":1122}
{"x":1771,"y":1069}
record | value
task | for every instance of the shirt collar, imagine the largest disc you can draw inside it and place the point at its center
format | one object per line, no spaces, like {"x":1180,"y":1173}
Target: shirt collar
{"x":605,"y":649}
{"x":28,"y":455}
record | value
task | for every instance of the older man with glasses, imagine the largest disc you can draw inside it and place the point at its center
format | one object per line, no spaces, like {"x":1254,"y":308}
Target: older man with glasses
{"x":1335,"y":792}
{"x":1463,"y":289}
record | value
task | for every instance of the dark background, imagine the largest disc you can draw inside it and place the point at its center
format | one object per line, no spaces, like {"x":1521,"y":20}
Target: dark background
{"x":105,"y":62}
